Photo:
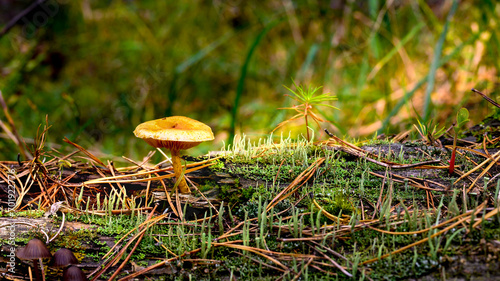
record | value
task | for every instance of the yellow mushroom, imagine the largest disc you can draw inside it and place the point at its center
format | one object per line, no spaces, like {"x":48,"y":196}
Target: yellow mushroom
{"x":175,"y":133}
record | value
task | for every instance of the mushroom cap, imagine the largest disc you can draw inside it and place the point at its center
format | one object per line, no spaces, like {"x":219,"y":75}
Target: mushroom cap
{"x":174,"y":133}
{"x":33,"y":250}
{"x":63,"y":257}
{"x":74,"y":273}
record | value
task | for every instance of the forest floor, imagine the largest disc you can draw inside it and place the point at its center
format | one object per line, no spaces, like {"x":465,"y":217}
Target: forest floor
{"x":287,"y":210}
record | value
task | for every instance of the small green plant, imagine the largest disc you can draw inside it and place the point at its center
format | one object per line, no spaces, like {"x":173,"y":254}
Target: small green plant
{"x":429,"y":132}
{"x":308,"y":99}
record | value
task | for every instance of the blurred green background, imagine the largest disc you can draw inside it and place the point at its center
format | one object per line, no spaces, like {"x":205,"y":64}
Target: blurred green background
{"x":99,"y":68}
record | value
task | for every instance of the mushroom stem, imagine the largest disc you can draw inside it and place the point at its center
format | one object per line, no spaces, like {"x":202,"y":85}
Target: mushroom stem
{"x":60,"y":228}
{"x":41,"y":269}
{"x":37,"y":271}
{"x":176,"y":163}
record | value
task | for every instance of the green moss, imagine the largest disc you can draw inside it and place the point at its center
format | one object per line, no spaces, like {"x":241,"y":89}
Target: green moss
{"x":218,"y":166}
{"x":339,"y":205}
{"x":233,"y":196}
{"x":76,"y":240}
{"x":33,"y":214}
{"x":206,"y":186}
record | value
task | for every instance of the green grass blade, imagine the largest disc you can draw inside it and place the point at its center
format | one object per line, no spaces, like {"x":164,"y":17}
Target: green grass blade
{"x":298,"y":95}
{"x":374,"y":10}
{"x":243,"y":74}
{"x":435,"y":62}
{"x":313,"y":51}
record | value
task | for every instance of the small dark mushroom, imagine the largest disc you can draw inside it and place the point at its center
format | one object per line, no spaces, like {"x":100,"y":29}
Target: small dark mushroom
{"x":35,"y":250}
{"x":63,"y":257}
{"x":74,"y":273}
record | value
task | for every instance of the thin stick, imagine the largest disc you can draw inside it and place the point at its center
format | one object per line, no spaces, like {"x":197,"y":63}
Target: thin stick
{"x":163,"y":263}
{"x":479,"y":209}
{"x":486,"y":97}
{"x":260,"y":262}
{"x":86,"y":152}
{"x":143,"y":231}
{"x":477,"y":167}
{"x":376,"y":210}
{"x":202,"y":195}
{"x":341,"y":268}
{"x":302,"y":269}
{"x":19,"y":16}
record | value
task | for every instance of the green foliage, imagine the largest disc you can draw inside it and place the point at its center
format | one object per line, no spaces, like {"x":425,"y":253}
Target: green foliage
{"x":111,"y":225}
{"x":462,"y":117}
{"x":308,"y":100}
{"x":429,"y":132}
{"x":76,"y":240}
{"x":28,"y":214}
{"x":338,"y":204}
{"x":218,"y":166}
{"x":309,"y":96}
{"x":232,"y":195}
{"x":98,"y":69}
